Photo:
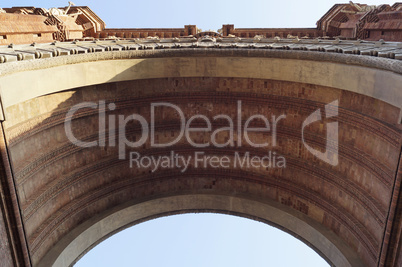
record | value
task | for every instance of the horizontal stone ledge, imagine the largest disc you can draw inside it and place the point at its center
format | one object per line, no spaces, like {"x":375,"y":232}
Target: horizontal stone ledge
{"x":349,"y":59}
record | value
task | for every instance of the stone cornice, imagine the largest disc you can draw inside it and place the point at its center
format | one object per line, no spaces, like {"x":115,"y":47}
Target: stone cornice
{"x":379,"y":55}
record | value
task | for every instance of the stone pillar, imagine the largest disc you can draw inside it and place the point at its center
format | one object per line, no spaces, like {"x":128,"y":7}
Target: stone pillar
{"x":190,"y":30}
{"x":227,"y":29}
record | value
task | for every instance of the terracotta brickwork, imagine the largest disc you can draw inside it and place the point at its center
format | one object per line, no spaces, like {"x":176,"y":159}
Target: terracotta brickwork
{"x":345,"y":21}
{"x":229,"y":29}
{"x":19,"y":28}
{"x":26,"y":25}
{"x":58,"y":199}
{"x":360,"y":21}
{"x":51,"y":203}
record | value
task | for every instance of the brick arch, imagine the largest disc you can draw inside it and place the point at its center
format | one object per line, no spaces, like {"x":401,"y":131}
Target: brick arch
{"x":65,"y":190}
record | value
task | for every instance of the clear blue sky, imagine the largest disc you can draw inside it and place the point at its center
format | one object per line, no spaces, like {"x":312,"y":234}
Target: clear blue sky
{"x":201,"y":239}
{"x":205,"y":14}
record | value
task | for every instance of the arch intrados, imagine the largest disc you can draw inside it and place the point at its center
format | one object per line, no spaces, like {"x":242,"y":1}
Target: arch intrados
{"x":79,"y":241}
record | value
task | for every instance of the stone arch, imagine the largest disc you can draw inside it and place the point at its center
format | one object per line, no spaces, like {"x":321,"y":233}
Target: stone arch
{"x":322,"y":241}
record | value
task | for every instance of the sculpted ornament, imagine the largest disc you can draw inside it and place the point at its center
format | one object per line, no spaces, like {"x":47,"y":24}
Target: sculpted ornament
{"x":206,"y":38}
{"x":61,"y":12}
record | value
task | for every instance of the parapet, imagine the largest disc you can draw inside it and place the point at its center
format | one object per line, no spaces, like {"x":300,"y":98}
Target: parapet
{"x":25,"y":25}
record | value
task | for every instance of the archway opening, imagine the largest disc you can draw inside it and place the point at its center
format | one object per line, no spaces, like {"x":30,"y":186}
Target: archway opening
{"x":206,"y":239}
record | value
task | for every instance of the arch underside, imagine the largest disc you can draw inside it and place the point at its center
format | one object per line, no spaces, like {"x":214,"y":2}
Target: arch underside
{"x":268,"y":213}
{"x":72,"y":197}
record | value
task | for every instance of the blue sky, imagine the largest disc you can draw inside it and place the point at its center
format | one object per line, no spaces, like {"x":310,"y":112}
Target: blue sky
{"x":201,"y":239}
{"x":205,"y":14}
